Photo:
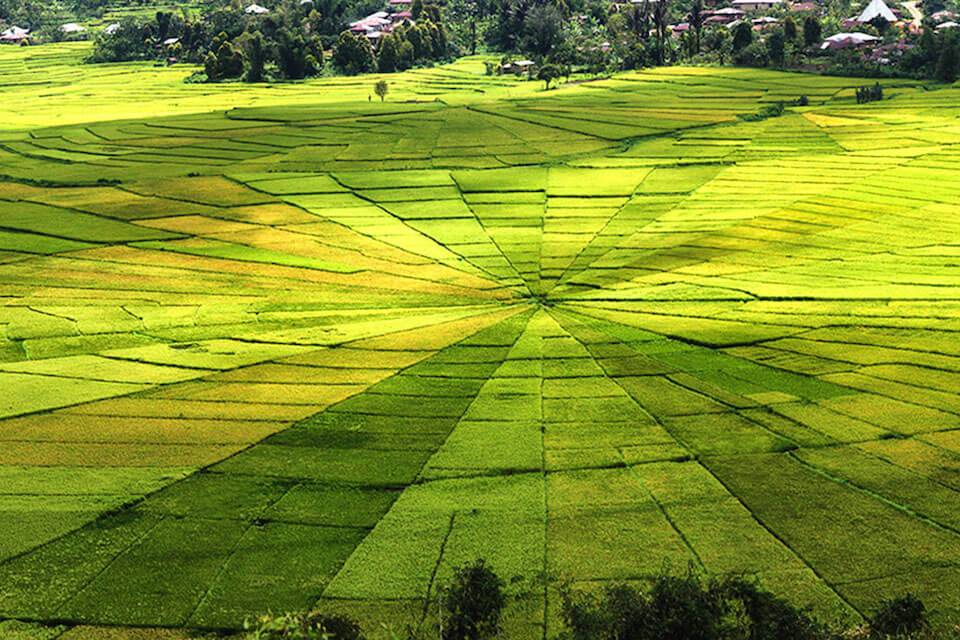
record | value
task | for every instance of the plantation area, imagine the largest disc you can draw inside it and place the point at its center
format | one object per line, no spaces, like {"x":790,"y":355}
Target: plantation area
{"x":270,"y":348}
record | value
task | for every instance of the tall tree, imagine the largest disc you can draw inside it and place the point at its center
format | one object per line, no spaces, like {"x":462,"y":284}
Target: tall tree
{"x":163,"y":18}
{"x":255,"y":49}
{"x":811,"y":31}
{"x":742,"y":36}
{"x":717,"y":40}
{"x":790,"y":29}
{"x":948,"y":64}
{"x":353,"y":54}
{"x":388,"y":60}
{"x":548,"y":73}
{"x":776,"y":47}
{"x":660,"y":13}
{"x":542,"y":29}
{"x":696,"y":23}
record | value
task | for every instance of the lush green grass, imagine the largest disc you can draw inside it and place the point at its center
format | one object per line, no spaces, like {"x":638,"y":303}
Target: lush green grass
{"x":276,"y":347}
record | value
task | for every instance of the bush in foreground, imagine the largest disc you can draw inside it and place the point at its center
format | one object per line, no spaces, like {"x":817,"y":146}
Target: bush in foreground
{"x":473,"y":603}
{"x":686,"y":607}
{"x":903,"y":616}
{"x":307,"y":626}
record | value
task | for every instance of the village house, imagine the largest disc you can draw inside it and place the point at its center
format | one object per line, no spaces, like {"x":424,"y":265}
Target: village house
{"x":722,"y":16}
{"x":519,"y":67}
{"x":876,"y":9}
{"x":756,"y":5}
{"x":15,"y":35}
{"x":853,"y":40}
{"x":376,"y":25}
{"x":763,"y":23}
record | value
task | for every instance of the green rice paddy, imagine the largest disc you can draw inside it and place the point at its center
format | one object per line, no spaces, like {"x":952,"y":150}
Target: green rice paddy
{"x":270,"y":348}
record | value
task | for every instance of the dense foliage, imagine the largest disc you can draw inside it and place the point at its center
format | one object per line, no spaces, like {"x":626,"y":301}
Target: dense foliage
{"x":288,"y":42}
{"x":310,"y":626}
{"x":686,"y":607}
{"x":729,"y":608}
{"x":473,"y":603}
{"x":303,"y":38}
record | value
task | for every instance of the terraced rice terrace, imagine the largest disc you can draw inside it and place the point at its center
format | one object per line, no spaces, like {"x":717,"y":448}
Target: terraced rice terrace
{"x":275,"y":348}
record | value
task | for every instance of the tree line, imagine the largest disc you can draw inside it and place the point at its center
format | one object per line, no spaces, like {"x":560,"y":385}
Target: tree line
{"x":472,"y":606}
{"x":288,"y":43}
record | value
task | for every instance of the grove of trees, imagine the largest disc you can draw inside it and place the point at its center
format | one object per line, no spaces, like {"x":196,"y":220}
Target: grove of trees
{"x":287,"y":43}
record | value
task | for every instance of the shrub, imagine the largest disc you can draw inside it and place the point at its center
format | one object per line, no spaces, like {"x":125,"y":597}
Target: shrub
{"x":473,"y":603}
{"x":905,"y":615}
{"x":869,"y":94}
{"x":686,"y":608}
{"x":774,"y":110}
{"x":770,"y":617}
{"x":309,"y":626}
{"x":753,"y":55}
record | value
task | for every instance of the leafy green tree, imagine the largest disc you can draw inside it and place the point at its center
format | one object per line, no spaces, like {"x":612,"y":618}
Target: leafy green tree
{"x":438,"y":40}
{"x":27,"y":14}
{"x":473,"y":603}
{"x":296,"y":57}
{"x":381,"y":88}
{"x":660,"y":15}
{"x":225,"y":21}
{"x":353,"y":54}
{"x":685,"y":608}
{"x":905,"y":616}
{"x":255,"y":48}
{"x":303,"y":626}
{"x":542,"y":27}
{"x":225,"y":62}
{"x":405,"y":57}
{"x":789,"y":29}
{"x":548,"y":73}
{"x":696,"y":24}
{"x":507,"y":23}
{"x":388,"y":59}
{"x":415,"y":36}
{"x":742,"y":36}
{"x":332,"y":16}
{"x":130,"y":41}
{"x":948,"y":64}
{"x":718,"y":41}
{"x":812,"y":31}
{"x":461,"y":18}
{"x":754,"y":54}
{"x":776,"y":47}
{"x":164,"y":20}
